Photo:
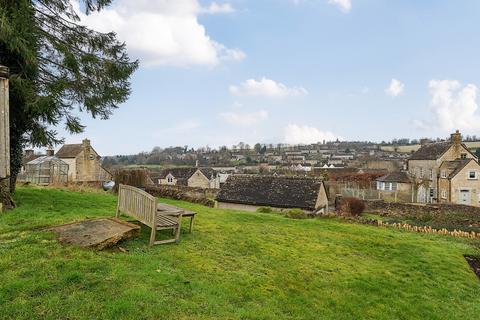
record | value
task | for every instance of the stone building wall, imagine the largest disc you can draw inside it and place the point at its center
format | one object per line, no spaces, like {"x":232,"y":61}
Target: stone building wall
{"x":198,"y":180}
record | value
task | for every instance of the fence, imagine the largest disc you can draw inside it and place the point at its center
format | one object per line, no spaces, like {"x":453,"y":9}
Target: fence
{"x":367,"y":192}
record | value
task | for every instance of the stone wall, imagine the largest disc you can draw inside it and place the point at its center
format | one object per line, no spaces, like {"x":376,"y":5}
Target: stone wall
{"x":197,"y":195}
{"x":411,"y":209}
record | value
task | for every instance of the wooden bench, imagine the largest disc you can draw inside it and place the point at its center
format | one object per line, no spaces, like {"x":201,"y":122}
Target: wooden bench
{"x":142,"y":206}
{"x":163,"y":207}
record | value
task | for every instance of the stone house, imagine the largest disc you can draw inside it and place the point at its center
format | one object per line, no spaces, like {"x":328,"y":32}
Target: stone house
{"x":459,"y":182}
{"x":192,"y":177}
{"x":84,"y":163}
{"x":424,"y":167}
{"x":394,"y":181}
{"x":249,"y":192}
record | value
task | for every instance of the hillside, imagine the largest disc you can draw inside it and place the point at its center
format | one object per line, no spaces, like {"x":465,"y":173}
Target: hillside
{"x":235,"y":265}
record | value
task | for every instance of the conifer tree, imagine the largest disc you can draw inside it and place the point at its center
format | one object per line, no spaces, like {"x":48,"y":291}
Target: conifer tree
{"x":58,"y":68}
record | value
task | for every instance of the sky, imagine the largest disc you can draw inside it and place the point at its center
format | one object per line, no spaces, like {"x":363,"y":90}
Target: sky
{"x":290,"y":71}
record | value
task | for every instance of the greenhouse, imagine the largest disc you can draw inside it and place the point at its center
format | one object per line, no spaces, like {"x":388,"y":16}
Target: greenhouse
{"x":46,"y":170}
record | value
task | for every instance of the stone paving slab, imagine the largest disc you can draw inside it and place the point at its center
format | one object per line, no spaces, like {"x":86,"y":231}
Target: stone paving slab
{"x":96,"y":233}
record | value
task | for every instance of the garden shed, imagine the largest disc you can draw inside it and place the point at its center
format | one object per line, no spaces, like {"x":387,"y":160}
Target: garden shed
{"x":46,"y":170}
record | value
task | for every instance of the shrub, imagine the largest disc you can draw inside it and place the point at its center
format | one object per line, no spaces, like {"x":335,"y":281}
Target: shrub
{"x":352,"y":206}
{"x":265,"y":210}
{"x":296,"y":214}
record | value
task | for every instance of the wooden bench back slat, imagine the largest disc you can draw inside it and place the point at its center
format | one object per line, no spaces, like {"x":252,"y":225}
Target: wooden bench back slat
{"x":137,"y":204}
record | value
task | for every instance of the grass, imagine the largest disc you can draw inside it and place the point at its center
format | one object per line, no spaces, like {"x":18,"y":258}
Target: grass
{"x":236,"y":265}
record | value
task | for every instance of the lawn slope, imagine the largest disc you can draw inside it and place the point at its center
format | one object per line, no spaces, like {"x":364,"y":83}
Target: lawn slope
{"x":236,"y":265}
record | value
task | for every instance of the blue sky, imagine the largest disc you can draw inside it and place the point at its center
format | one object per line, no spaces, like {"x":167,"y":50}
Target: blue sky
{"x":220,"y":72}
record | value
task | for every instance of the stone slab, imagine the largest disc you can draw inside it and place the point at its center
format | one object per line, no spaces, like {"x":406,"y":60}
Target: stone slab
{"x":96,"y":233}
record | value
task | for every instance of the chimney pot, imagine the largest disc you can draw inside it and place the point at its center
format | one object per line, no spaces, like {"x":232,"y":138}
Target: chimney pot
{"x":50,"y":152}
{"x":29,"y":153}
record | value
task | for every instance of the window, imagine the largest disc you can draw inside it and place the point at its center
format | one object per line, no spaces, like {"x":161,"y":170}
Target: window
{"x":431,"y":174}
{"x":421,"y":172}
{"x":444,"y":194}
{"x":393,"y":186}
{"x":472,"y":175}
{"x":170,"y":180}
{"x":463,"y":156}
{"x":444,"y":174}
{"x":91,"y":157}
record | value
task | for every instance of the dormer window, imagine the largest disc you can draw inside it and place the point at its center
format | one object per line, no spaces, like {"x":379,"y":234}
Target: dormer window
{"x":444,"y":174}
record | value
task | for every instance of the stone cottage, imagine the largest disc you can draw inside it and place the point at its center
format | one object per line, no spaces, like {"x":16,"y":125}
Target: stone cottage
{"x":394,"y":181}
{"x":249,"y":192}
{"x":84,"y":163}
{"x":425,"y":168}
{"x":459,"y":182}
{"x":192,"y":177}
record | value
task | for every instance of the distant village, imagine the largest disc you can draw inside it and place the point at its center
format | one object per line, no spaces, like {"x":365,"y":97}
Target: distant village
{"x":417,"y":171}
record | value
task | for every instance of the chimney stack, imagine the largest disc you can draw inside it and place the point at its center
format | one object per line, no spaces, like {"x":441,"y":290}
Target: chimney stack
{"x":424,"y":141}
{"x":456,"y":137}
{"x":50,"y":152}
{"x":86,"y":142}
{"x":29,"y":153}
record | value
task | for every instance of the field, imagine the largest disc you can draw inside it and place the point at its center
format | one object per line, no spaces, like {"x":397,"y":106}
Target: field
{"x":236,"y":265}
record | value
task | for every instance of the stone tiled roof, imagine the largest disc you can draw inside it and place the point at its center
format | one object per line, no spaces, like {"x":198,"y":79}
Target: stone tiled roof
{"x":29,"y":158}
{"x":399,"y":176}
{"x":275,"y":191}
{"x":455,"y":166}
{"x":69,"y":150}
{"x":431,"y":151}
{"x":208,"y":172}
{"x":178,"y":173}
{"x":183,"y":174}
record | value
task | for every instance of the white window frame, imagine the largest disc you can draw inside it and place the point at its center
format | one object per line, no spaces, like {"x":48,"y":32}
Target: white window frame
{"x":444,"y":194}
{"x":474,"y":173}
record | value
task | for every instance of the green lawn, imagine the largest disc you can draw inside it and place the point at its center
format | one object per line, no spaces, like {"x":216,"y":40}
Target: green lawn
{"x":236,"y":265}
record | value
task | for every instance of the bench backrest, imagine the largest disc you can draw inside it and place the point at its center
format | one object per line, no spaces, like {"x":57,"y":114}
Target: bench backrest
{"x":137,"y":204}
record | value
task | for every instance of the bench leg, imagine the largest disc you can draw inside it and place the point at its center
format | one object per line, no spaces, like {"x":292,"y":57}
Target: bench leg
{"x":153,"y":235}
{"x":191,"y":224}
{"x":179,"y":228}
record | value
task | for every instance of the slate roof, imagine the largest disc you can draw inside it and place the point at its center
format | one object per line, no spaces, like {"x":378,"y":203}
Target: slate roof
{"x":69,"y":150}
{"x":455,"y":166}
{"x":275,"y":191}
{"x":431,"y":151}
{"x":399,"y":176}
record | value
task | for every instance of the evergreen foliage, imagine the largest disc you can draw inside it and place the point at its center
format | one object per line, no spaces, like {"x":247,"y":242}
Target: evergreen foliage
{"x":59,"y":69}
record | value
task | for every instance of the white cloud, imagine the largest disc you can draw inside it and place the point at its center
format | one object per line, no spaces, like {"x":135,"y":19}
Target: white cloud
{"x":163,"y":32}
{"x":453,"y":106}
{"x":395,"y":88}
{"x":266,"y":88}
{"x":244,"y":119}
{"x":215,"y":8}
{"x":296,"y":134}
{"x":344,"y":5}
